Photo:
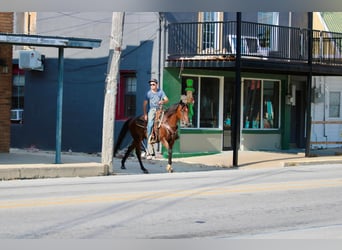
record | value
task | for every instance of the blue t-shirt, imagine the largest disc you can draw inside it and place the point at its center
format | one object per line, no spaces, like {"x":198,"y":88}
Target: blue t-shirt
{"x":153,"y":98}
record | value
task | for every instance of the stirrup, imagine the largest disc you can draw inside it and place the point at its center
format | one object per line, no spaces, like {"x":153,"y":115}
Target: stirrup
{"x":152,"y":140}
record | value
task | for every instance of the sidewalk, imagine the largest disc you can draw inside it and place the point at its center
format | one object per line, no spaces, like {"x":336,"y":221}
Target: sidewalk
{"x":33,"y":163}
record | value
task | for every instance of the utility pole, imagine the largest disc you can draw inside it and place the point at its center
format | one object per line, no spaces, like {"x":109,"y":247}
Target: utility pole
{"x":111,"y":90}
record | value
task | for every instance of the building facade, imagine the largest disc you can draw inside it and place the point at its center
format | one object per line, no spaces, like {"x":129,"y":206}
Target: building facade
{"x":190,"y":53}
{"x":327,"y":90}
{"x":6,"y":20}
{"x":276,"y":68}
{"x":84,"y":78}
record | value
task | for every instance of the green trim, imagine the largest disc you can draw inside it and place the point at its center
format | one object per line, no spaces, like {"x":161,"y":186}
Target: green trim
{"x":201,"y":131}
{"x":172,"y":87}
{"x":261,"y":131}
{"x":190,"y":154}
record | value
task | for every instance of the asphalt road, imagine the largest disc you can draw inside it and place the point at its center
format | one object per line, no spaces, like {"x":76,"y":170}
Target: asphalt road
{"x":293,"y":202}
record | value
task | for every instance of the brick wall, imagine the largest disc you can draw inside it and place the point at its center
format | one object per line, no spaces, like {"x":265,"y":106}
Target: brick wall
{"x":6,"y":21}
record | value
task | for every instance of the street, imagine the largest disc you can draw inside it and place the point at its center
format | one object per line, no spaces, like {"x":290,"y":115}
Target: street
{"x":291,"y":202}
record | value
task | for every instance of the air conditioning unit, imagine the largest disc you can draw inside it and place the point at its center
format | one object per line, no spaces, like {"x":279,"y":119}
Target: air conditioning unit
{"x":31,"y":60}
{"x":17,"y":114}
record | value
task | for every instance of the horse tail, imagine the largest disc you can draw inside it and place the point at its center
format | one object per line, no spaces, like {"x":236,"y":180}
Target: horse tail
{"x":121,"y":136}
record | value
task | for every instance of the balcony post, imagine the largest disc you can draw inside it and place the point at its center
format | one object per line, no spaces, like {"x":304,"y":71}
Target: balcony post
{"x":237,"y":95}
{"x":309,"y":86}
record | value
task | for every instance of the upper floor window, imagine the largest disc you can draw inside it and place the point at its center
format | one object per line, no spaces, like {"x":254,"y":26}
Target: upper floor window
{"x":126,"y":96}
{"x":210,"y":32}
{"x":268,"y":18}
{"x":25,"y":23}
{"x":268,"y":35}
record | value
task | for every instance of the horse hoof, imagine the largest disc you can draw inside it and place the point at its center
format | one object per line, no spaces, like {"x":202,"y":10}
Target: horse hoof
{"x":145,"y":171}
{"x":169,"y":168}
{"x":123,"y":167}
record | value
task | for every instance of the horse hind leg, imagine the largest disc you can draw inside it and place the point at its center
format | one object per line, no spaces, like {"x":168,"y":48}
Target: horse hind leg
{"x":138,"y":153}
{"x":129,"y":150}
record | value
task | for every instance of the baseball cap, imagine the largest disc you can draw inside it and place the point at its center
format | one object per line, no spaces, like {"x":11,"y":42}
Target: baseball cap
{"x":153,"y":80}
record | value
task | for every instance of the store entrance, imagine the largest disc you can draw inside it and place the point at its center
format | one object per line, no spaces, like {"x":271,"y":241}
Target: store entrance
{"x":297,"y":136}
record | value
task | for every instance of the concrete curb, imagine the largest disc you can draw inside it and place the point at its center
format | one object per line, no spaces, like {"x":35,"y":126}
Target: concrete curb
{"x":35,"y":171}
{"x":312,"y":162}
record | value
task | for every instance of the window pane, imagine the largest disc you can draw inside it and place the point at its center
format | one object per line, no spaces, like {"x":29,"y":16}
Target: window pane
{"x":270,"y":104}
{"x":131,"y":85}
{"x":209,"y":104}
{"x":191,"y":91}
{"x":130,"y":96}
{"x":18,"y":80}
{"x":334,"y":104}
{"x":211,"y":31}
{"x":18,"y":91}
{"x":130,"y":105}
{"x":268,"y":37}
{"x":251,"y":103}
{"x":126,"y":96}
{"x":261,"y":104}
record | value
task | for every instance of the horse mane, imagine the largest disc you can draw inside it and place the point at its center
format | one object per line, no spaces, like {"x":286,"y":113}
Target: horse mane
{"x":171,"y":110}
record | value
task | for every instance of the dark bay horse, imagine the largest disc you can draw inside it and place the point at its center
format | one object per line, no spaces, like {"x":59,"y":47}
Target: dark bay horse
{"x":168,"y":133}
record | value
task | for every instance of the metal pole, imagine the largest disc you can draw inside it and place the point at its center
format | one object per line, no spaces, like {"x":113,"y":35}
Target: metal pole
{"x":309,"y":86}
{"x":237,"y":95}
{"x":59,"y":105}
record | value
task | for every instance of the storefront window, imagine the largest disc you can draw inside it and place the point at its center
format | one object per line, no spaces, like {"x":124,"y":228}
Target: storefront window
{"x":260,"y":104}
{"x":205,"y":94}
{"x":209,"y":102}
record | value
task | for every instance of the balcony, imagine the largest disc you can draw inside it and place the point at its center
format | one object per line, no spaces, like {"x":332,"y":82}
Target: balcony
{"x":214,"y":43}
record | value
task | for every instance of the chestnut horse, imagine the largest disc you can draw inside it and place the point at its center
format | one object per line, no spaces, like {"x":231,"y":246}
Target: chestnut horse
{"x":168,"y":133}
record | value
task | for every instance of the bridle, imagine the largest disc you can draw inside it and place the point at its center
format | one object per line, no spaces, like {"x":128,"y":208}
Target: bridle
{"x":171,"y":130}
{"x":183,"y":110}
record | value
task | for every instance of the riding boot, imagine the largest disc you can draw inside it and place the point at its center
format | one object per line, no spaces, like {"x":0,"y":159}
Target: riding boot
{"x":153,"y":138}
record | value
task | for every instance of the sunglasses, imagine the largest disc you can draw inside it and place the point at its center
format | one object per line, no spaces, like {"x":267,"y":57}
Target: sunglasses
{"x":153,"y":84}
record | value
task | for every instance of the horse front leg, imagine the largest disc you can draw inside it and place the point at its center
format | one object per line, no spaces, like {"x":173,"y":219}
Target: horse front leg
{"x":169,"y":154}
{"x":169,"y":160}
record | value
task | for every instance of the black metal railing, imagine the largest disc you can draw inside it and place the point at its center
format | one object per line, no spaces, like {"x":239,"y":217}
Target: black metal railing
{"x":204,"y":39}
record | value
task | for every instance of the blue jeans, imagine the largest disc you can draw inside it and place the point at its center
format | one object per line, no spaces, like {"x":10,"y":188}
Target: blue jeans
{"x":150,"y":123}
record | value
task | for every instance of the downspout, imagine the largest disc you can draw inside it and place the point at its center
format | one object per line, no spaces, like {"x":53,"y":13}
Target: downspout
{"x":59,"y":106}
{"x":159,"y":46}
{"x":324,"y":113}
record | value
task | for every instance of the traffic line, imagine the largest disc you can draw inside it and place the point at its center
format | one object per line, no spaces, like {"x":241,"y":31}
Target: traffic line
{"x":154,"y":195}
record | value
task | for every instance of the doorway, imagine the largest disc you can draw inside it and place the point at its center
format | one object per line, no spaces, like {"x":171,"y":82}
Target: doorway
{"x":297,"y":135}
